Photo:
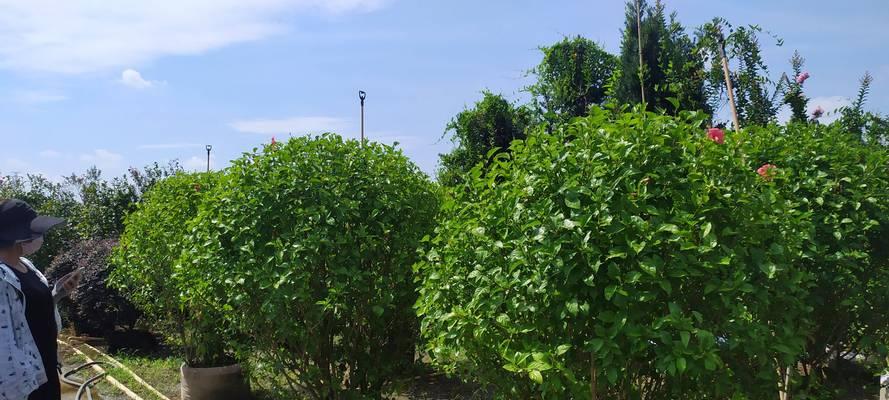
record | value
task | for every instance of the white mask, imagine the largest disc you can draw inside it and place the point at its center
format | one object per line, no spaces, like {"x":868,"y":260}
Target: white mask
{"x":32,"y":246}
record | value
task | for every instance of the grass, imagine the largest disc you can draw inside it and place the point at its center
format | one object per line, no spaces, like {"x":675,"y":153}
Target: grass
{"x":160,"y":371}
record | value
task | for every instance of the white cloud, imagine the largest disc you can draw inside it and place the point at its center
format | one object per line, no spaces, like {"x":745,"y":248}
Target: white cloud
{"x":50,"y":153}
{"x":38,"y":97}
{"x":830,"y":105}
{"x":134,"y":79}
{"x":295,"y":125}
{"x":16,"y":165}
{"x":77,"y":36}
{"x":102,"y":158}
{"x":199,"y":164}
{"x":165,"y":146}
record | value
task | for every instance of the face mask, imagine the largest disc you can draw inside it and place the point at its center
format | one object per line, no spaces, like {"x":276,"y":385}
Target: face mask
{"x":32,"y":246}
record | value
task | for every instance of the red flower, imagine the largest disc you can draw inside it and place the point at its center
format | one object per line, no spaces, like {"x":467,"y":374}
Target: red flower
{"x":765,"y":171}
{"x":716,"y":135}
{"x":197,"y":187}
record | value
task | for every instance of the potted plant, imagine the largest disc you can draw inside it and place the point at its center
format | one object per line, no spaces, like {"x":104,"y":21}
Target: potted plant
{"x":155,"y":273}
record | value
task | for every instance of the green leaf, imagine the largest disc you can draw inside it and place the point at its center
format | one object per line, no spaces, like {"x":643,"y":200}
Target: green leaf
{"x":666,"y":287}
{"x":669,"y":228}
{"x":563,"y":349}
{"x":572,"y":200}
{"x":709,"y":365}
{"x":612,"y":375}
{"x":536,"y":376}
{"x":680,"y":364}
{"x":674,"y":308}
{"x":572,"y":307}
{"x":686,"y":336}
{"x":539,"y":366}
{"x":609,"y":292}
{"x":616,"y":254}
{"x":597,"y":344}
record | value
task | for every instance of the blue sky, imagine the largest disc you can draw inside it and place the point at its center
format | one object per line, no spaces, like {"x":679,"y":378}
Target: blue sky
{"x":123,"y":83}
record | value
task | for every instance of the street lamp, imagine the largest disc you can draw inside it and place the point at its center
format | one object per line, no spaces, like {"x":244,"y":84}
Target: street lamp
{"x":362,"y":96}
{"x":209,"y":147}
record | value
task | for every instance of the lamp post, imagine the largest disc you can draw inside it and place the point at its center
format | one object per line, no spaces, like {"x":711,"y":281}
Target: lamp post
{"x":209,"y":147}
{"x":362,"y":95}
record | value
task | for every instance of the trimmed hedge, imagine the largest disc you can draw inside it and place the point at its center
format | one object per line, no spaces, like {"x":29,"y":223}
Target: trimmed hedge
{"x":306,"y":247}
{"x":153,"y":239}
{"x":627,"y":255}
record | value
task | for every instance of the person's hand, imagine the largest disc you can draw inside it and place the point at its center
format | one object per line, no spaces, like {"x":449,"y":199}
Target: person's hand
{"x":67,"y":284}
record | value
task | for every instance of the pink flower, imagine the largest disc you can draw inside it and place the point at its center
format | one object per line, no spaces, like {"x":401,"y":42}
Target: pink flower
{"x":817,"y":113}
{"x":716,"y":135}
{"x":801,"y":78}
{"x":765,"y":171}
{"x":273,"y":140}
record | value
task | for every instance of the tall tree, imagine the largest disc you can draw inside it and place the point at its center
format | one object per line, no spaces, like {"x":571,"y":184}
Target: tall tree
{"x":572,"y":76}
{"x":870,"y":127}
{"x":492,"y":123}
{"x":633,"y":78}
{"x":792,"y":86}
{"x":672,"y":74}
{"x":756,"y":95}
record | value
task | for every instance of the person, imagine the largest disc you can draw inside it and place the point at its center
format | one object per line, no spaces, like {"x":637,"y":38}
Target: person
{"x":29,"y":319}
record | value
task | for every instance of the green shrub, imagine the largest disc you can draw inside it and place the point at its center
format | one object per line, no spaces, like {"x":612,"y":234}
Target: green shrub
{"x":94,"y":308}
{"x":307,"y":247}
{"x":153,"y":239}
{"x":843,"y":184}
{"x":629,"y":250}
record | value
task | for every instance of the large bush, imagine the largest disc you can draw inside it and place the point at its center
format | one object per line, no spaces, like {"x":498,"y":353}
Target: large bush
{"x":842,"y":183}
{"x":627,"y":256}
{"x":94,"y":308}
{"x":307,"y":246}
{"x":149,"y":249}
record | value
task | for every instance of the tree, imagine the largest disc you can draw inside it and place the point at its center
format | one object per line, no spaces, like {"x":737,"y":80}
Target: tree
{"x":793,"y":89}
{"x":47,"y":198}
{"x":572,"y":76}
{"x":492,"y":123}
{"x":672,"y":73}
{"x":685,"y":75}
{"x":633,"y":77}
{"x":869,"y":127}
{"x":755,"y":98}
{"x":105,"y":203}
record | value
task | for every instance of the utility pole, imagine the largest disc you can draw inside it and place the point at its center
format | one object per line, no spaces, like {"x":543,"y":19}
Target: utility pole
{"x":209,"y":147}
{"x":362,"y":95}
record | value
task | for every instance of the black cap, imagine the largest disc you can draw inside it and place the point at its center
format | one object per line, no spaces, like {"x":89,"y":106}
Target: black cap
{"x":19,"y":222}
